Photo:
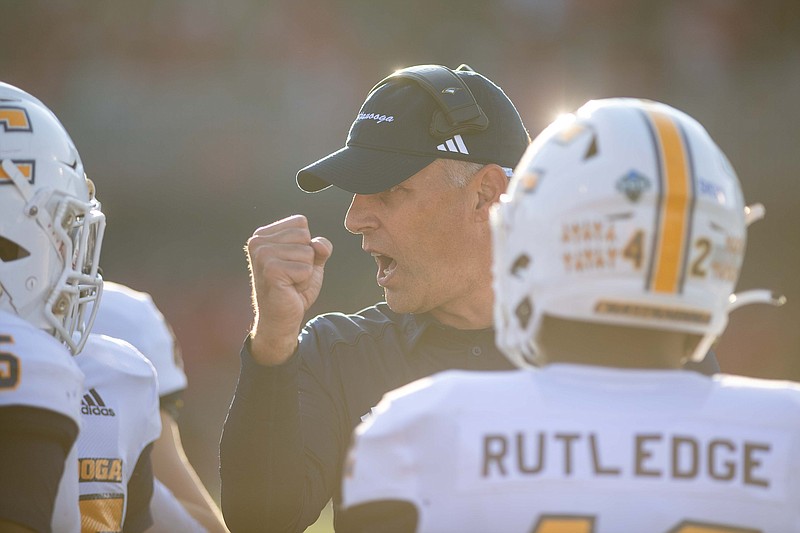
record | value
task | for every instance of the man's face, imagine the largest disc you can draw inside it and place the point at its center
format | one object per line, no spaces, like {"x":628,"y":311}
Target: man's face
{"x":431,"y":252}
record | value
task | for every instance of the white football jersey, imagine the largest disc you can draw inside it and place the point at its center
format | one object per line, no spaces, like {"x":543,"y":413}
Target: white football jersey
{"x":120,"y":417}
{"x":573,"y":448}
{"x":38,"y":371}
{"x":131,"y":315}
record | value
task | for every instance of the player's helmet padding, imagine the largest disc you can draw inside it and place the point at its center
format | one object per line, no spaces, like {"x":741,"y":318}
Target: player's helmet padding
{"x":624,"y":213}
{"x":51,"y":226}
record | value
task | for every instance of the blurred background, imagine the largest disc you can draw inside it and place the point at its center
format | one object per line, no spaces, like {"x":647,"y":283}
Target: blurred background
{"x":193,"y":116}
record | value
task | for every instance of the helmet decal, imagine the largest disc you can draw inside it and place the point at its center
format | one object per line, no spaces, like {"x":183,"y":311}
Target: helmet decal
{"x":524,"y":312}
{"x":15,"y":118}
{"x":521,"y":263}
{"x":633,"y":184}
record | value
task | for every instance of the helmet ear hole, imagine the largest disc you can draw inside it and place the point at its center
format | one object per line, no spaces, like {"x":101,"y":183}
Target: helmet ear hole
{"x":11,"y":251}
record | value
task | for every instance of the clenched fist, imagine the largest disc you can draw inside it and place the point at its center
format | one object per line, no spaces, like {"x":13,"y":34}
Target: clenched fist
{"x":286,"y":270}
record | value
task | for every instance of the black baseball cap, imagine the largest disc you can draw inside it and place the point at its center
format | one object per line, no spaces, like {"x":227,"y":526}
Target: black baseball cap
{"x":415,"y":116}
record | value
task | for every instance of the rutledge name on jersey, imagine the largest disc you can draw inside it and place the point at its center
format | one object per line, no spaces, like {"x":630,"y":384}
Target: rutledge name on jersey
{"x":653,"y":455}
{"x":723,"y":456}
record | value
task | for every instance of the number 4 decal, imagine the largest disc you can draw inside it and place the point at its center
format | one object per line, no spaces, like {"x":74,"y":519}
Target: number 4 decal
{"x":634,"y":250}
{"x":585,"y":524}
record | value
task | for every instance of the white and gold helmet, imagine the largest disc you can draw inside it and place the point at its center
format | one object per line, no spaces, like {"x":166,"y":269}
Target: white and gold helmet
{"x":623,"y":213}
{"x":51,"y":226}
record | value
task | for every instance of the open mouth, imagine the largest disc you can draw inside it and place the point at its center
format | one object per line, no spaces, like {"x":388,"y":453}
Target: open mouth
{"x":386,"y":267}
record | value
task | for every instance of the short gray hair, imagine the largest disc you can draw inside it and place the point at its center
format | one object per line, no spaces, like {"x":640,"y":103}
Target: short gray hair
{"x":459,"y":172}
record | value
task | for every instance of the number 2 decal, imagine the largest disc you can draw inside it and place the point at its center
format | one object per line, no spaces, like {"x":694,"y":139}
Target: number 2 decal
{"x":698,"y":265}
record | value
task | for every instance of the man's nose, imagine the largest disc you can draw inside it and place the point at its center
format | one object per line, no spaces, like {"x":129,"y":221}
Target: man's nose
{"x":361,"y":215}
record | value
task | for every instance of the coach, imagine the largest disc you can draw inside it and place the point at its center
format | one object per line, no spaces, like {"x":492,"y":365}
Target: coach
{"x":429,"y":152}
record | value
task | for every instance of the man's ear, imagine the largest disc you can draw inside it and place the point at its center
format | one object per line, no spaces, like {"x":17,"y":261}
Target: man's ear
{"x":491,"y":181}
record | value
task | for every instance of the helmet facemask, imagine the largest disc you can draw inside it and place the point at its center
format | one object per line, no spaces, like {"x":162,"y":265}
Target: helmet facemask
{"x":80,"y":285}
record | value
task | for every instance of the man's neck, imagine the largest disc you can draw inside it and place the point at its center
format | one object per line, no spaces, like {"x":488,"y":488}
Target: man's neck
{"x":474,"y":312}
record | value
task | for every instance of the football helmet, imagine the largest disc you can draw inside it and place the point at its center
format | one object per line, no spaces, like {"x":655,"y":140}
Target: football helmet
{"x":623,"y":213}
{"x":51,"y":226}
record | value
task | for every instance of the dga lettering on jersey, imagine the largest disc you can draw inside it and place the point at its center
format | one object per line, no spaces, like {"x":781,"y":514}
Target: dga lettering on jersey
{"x":100,"y":469}
{"x":653,"y":456}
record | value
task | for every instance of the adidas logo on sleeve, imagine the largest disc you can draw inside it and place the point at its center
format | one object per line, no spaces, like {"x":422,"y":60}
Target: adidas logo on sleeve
{"x":93,"y":404}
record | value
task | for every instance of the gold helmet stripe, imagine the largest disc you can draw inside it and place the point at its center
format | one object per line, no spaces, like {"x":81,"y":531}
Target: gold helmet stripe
{"x":676,"y":203}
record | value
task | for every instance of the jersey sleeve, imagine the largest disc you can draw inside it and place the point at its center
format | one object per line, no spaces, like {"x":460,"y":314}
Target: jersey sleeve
{"x":34,"y":444}
{"x":262,"y":467}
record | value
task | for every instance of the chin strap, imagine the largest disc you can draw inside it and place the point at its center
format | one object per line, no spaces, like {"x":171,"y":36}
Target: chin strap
{"x":754,"y":213}
{"x":755,"y":296}
{"x":12,"y":172}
